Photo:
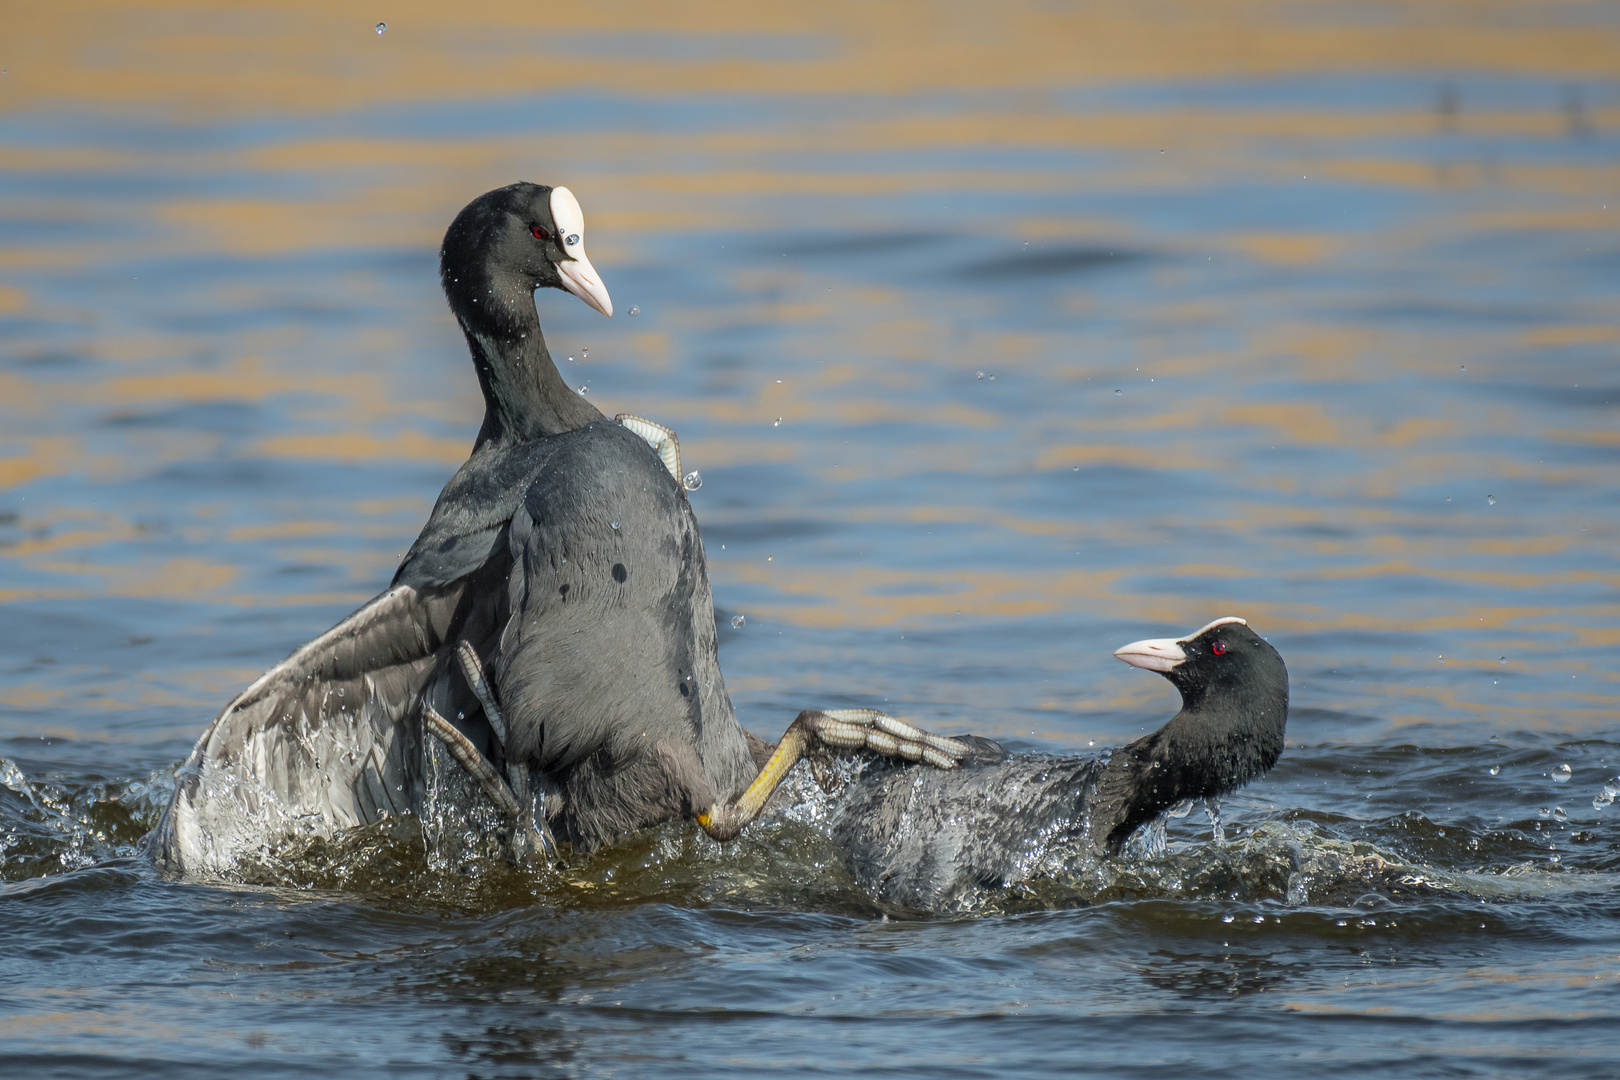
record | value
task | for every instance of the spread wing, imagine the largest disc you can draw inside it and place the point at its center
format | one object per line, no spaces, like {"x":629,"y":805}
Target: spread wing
{"x":316,"y":744}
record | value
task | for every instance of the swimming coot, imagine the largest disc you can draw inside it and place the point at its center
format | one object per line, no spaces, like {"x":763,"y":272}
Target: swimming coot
{"x":919,"y":838}
{"x":552,"y":626}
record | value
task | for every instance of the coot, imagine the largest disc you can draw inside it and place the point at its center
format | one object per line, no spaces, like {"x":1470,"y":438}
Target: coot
{"x":919,"y":838}
{"x":552,"y":626}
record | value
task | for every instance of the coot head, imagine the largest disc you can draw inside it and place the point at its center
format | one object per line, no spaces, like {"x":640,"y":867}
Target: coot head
{"x":511,"y":241}
{"x":1234,"y":706}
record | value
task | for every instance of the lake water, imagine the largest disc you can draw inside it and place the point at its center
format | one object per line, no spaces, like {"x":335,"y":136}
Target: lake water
{"x":1000,"y":340}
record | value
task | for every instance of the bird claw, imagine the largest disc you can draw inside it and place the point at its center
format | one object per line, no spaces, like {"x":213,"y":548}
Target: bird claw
{"x":660,"y":438}
{"x":511,"y":793}
{"x":870,"y":729}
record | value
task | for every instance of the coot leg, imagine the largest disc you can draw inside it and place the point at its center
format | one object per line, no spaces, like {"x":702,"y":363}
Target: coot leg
{"x":843,"y":729}
{"x":527,"y":836}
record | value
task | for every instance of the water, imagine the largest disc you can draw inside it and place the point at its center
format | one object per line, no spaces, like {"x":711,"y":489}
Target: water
{"x":1277,"y":302}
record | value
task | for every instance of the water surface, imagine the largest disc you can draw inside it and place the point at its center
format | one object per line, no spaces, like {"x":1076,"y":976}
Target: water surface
{"x":998,"y":342}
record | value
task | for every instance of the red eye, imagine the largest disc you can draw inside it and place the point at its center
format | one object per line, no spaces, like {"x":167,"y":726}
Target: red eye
{"x":1219,"y":648}
{"x":539,"y":232}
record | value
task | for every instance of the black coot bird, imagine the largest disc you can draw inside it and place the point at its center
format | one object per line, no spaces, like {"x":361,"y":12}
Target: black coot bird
{"x":552,"y":626}
{"x":919,"y":838}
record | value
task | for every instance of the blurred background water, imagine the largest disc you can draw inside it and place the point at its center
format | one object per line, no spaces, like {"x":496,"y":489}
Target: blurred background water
{"x":1001,"y":335}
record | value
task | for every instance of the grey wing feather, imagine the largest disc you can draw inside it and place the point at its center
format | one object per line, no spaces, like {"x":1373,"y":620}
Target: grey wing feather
{"x":313,"y":746}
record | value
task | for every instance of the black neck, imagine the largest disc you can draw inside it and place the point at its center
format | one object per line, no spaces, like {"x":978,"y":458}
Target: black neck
{"x":524,"y":395}
{"x":1199,"y":754}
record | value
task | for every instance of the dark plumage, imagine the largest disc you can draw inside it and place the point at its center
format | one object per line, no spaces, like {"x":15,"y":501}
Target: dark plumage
{"x":918,"y":838}
{"x":551,"y":629}
{"x":563,"y":552}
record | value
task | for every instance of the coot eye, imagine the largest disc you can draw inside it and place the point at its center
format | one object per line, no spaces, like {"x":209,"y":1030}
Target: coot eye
{"x":1219,"y":648}
{"x":539,"y":232}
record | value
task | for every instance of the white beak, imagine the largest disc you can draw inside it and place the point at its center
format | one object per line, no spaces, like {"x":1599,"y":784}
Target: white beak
{"x":578,"y":275}
{"x":1155,"y":654}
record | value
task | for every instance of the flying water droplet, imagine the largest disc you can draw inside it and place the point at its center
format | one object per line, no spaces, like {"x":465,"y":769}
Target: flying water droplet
{"x":778,"y":422}
{"x":1560,"y":813}
{"x":582,"y":389}
{"x":981,"y":375}
{"x":1119,"y":393}
{"x":692,"y":481}
{"x":1495,"y":770}
{"x":1491,"y":499}
{"x":1217,"y":828}
{"x":382,"y":28}
{"x":634,"y":310}
{"x":570,"y":359}
{"x":1462,"y":367}
{"x":1607,"y":796}
{"x":1501,"y":659}
{"x":1228,"y":918}
{"x":737,"y":622}
{"x":615,"y":526}
{"x":1545,"y":811}
{"x":585,"y":354}
{"x":1561,"y":774}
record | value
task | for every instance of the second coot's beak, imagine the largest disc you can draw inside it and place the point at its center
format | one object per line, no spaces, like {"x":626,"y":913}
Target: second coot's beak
{"x":578,"y":275}
{"x":1154,"y":654}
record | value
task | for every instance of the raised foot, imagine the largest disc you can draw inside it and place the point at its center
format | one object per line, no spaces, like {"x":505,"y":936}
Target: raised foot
{"x":660,"y":438}
{"x":843,"y":729}
{"x":855,"y":729}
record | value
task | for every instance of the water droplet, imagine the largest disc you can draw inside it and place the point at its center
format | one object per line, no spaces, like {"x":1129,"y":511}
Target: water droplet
{"x":1491,"y":499}
{"x":981,"y":375}
{"x":615,"y":526}
{"x":1462,"y":367}
{"x":382,"y":28}
{"x":634,"y":310}
{"x":1227,"y":918}
{"x":583,"y":388}
{"x":737,"y":622}
{"x":692,"y":481}
{"x":1496,"y":770}
{"x":1118,"y":393}
{"x":778,"y":422}
{"x":1342,"y":922}
{"x":585,"y":354}
{"x":1606,"y":797}
{"x":1091,"y":742}
{"x":570,"y":359}
{"x":1258,"y":919}
{"x":1545,"y":811}
{"x":1561,"y":774}
{"x":1501,"y":659}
